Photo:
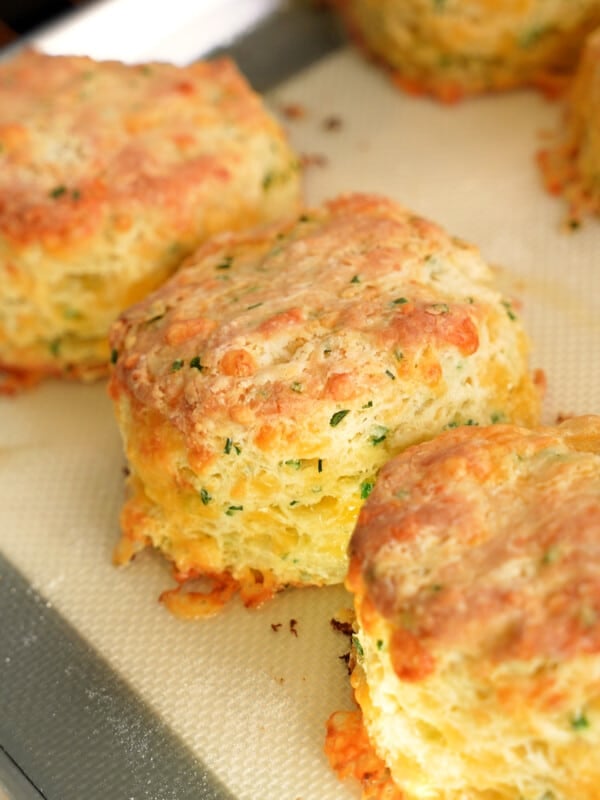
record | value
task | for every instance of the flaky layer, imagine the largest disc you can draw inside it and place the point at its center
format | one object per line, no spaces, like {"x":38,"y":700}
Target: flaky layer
{"x":261,"y":389}
{"x":454,"y":48}
{"x":109,"y":175}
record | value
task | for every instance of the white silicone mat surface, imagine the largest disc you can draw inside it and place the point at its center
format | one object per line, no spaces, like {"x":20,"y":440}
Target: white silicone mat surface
{"x":250,"y":691}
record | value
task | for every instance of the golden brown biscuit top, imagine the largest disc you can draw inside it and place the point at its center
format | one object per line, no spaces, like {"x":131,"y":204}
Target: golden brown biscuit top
{"x":488,"y":541}
{"x":286,"y":321}
{"x":78,"y":136}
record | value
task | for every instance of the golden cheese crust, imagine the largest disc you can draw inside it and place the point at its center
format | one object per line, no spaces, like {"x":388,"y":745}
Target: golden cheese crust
{"x":109,"y":175}
{"x":476,"y":575}
{"x":260,"y":389}
{"x":571,"y":164}
{"x":452,"y":48}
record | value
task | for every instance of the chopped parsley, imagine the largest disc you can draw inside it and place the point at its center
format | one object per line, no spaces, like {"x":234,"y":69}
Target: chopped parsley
{"x":320,"y":465}
{"x":509,"y":310}
{"x":225,"y":263}
{"x":58,"y":191}
{"x":366,"y":488}
{"x":114,"y":356}
{"x":295,"y":463}
{"x":54,"y":346}
{"x":357,"y":646}
{"x":368,"y":404}
{"x":579,"y":722}
{"x":232,"y":509}
{"x":205,"y":496}
{"x":177,"y":365}
{"x":268,"y":180}
{"x":390,"y":374}
{"x":338,"y":417}
{"x":399,"y":301}
{"x":256,"y":305}
{"x":398,"y":355}
{"x":380,"y":644}
{"x":296,"y":387}
{"x":355,"y":279}
{"x":231,"y":445}
{"x":195,"y":363}
{"x":379,"y":435}
{"x":439,"y":308}
{"x":294,"y":502}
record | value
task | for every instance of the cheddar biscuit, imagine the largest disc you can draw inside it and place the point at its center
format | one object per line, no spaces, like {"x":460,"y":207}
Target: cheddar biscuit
{"x":571,"y":164}
{"x":260,"y":389}
{"x":109,"y":175}
{"x":475,"y":570}
{"x":451,"y":48}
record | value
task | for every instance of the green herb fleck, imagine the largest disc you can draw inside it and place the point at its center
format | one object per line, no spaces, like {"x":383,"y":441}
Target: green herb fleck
{"x":380,"y":644}
{"x":177,"y":365}
{"x":338,"y":417}
{"x":436,"y":587}
{"x":402,"y":494}
{"x":294,"y":502}
{"x":114,"y":356}
{"x":76,"y":194}
{"x":255,"y":305}
{"x":357,"y":646}
{"x":574,"y":224}
{"x":497,"y":416}
{"x":296,"y":387}
{"x":295,"y":463}
{"x":355,"y":279}
{"x":579,"y":722}
{"x":232,"y":509}
{"x":154,"y":318}
{"x":205,"y":496}
{"x":195,"y":363}
{"x":509,"y":310}
{"x":379,"y":435}
{"x":54,"y":346}
{"x":390,"y":374}
{"x":439,"y":308}
{"x":399,"y":301}
{"x":366,"y":488}
{"x":58,"y":191}
{"x":551,"y":555}
{"x":368,"y":404}
{"x":398,"y":355}
{"x":231,"y":445}
{"x":320,"y":465}
{"x":532,"y":36}
{"x":225,"y":263}
{"x":268,"y":180}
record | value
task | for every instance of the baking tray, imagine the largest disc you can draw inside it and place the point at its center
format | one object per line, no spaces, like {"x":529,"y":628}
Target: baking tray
{"x":105,"y":695}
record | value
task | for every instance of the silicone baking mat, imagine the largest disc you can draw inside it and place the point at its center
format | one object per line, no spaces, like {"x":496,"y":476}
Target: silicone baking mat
{"x":104,"y":694}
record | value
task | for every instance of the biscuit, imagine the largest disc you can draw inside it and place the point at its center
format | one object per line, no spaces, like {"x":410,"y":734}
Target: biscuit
{"x":571,"y":164}
{"x":261,"y":388}
{"x":475,"y":568}
{"x":452,"y":48}
{"x":109,"y":175}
